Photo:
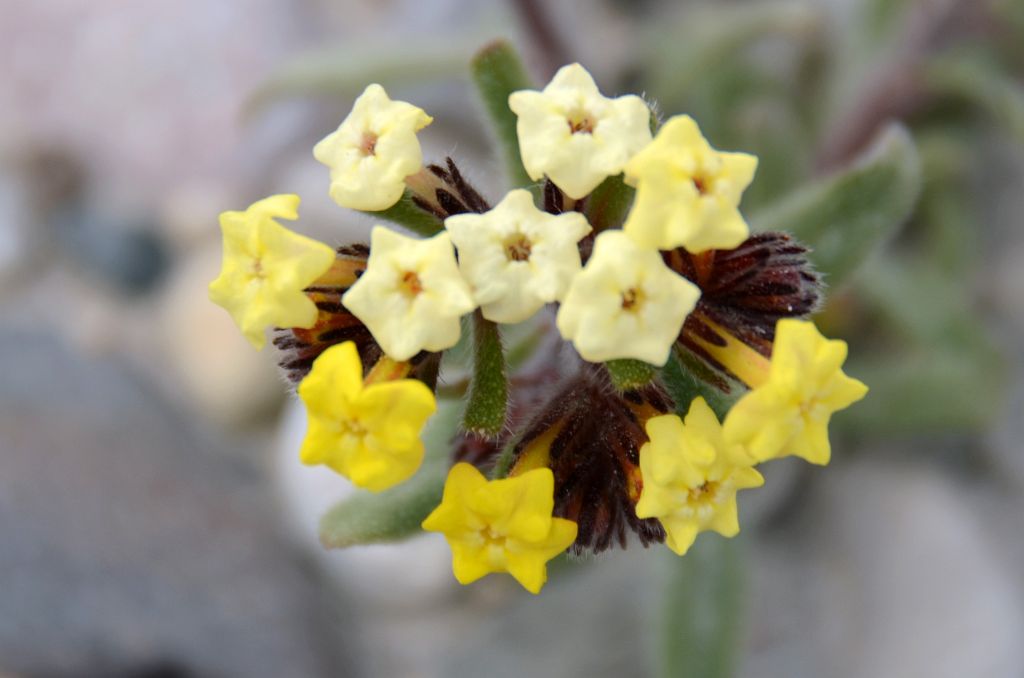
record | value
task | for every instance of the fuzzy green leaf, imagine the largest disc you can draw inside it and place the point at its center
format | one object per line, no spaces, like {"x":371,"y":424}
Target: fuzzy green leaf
{"x":701,"y":610}
{"x":368,"y":518}
{"x":629,"y":374}
{"x":845,"y":217}
{"x":681,"y":378}
{"x":972,"y":78}
{"x":406,"y":214}
{"x":608,"y":204}
{"x":488,"y":389}
{"x":497,"y":72}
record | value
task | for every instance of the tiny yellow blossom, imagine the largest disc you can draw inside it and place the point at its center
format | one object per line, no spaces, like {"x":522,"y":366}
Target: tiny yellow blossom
{"x":576,"y":136}
{"x":789,"y":412}
{"x":266,"y":267}
{"x":411,"y":296}
{"x":367,"y":433}
{"x":501,"y":525}
{"x":516,"y":257}
{"x":373,"y":150}
{"x":687,"y":193}
{"x":625,"y":303}
{"x":691,"y":476}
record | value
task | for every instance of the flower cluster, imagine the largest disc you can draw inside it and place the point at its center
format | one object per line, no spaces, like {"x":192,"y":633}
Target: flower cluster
{"x":654,"y":308}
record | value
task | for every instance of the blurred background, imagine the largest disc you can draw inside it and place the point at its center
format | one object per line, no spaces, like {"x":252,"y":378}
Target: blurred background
{"x":154,"y":518}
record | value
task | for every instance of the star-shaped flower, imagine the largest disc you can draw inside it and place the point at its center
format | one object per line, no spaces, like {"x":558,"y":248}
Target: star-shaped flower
{"x":516,"y":257}
{"x":266,"y":267}
{"x":625,"y":303}
{"x":687,"y":193}
{"x":576,"y":136}
{"x":373,"y":150}
{"x":412,"y":295}
{"x":501,"y":525}
{"x":368,"y":433}
{"x":790,"y":411}
{"x":691,"y":476}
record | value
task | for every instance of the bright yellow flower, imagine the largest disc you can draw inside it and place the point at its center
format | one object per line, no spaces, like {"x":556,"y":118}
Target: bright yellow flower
{"x":367,"y":433}
{"x":411,"y":296}
{"x":625,"y":303}
{"x":501,"y":525}
{"x":516,"y":257}
{"x":576,"y":136}
{"x":687,"y":193}
{"x":789,"y":412}
{"x":691,"y":476}
{"x":373,"y":150}
{"x":266,"y":267}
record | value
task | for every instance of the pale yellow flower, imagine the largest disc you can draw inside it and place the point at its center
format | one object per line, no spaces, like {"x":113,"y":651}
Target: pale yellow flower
{"x":687,"y":193}
{"x":501,"y":525}
{"x":368,"y":433}
{"x":691,"y":476}
{"x":266,"y":267}
{"x":576,"y":136}
{"x":516,"y":257}
{"x":789,"y":412}
{"x":373,"y":150}
{"x":625,"y":303}
{"x":412,"y":295}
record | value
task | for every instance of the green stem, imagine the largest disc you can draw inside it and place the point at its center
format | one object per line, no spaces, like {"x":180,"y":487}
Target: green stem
{"x":629,"y":374}
{"x":497,"y":71}
{"x":488,"y":390}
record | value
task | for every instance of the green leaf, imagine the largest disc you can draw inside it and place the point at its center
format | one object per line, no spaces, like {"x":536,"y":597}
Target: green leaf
{"x":681,"y":378}
{"x":845,"y":217}
{"x":345,"y":72}
{"x":497,"y":72}
{"x":701,"y":610}
{"x":608,"y":204}
{"x":406,"y":214}
{"x":488,"y":389}
{"x":369,"y":518}
{"x":975,"y":79}
{"x":627,"y":374}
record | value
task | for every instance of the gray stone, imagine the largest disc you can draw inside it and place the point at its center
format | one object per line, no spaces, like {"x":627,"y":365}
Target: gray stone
{"x":134,"y":546}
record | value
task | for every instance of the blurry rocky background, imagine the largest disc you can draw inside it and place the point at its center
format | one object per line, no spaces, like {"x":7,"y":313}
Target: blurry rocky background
{"x":154,"y":518}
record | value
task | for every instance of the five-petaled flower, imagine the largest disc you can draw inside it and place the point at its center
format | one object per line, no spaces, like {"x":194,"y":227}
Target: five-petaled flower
{"x":516,"y":257}
{"x":369,"y":433}
{"x":625,"y":303}
{"x":373,"y":150}
{"x":501,"y":525}
{"x":687,"y":193}
{"x":411,"y":296}
{"x":266,"y":267}
{"x":691,"y":476}
{"x":576,"y":136}
{"x":788,"y":412}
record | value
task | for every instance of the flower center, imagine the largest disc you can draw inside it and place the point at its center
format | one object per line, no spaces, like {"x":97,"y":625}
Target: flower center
{"x":368,"y":144}
{"x":701,"y":184}
{"x":256,"y":269}
{"x":580,"y":122}
{"x":632,"y":299}
{"x":410,"y":284}
{"x":704,"y":492}
{"x":518,"y":248}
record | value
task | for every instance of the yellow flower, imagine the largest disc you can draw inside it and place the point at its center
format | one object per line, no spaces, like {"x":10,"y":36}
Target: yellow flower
{"x":625,"y":303}
{"x":789,"y":412}
{"x":576,"y":136}
{"x":687,"y":193}
{"x":367,"y":433}
{"x":501,"y":525}
{"x":516,"y":257}
{"x":691,"y":476}
{"x":411,"y":296}
{"x":373,"y":150}
{"x":266,"y":267}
